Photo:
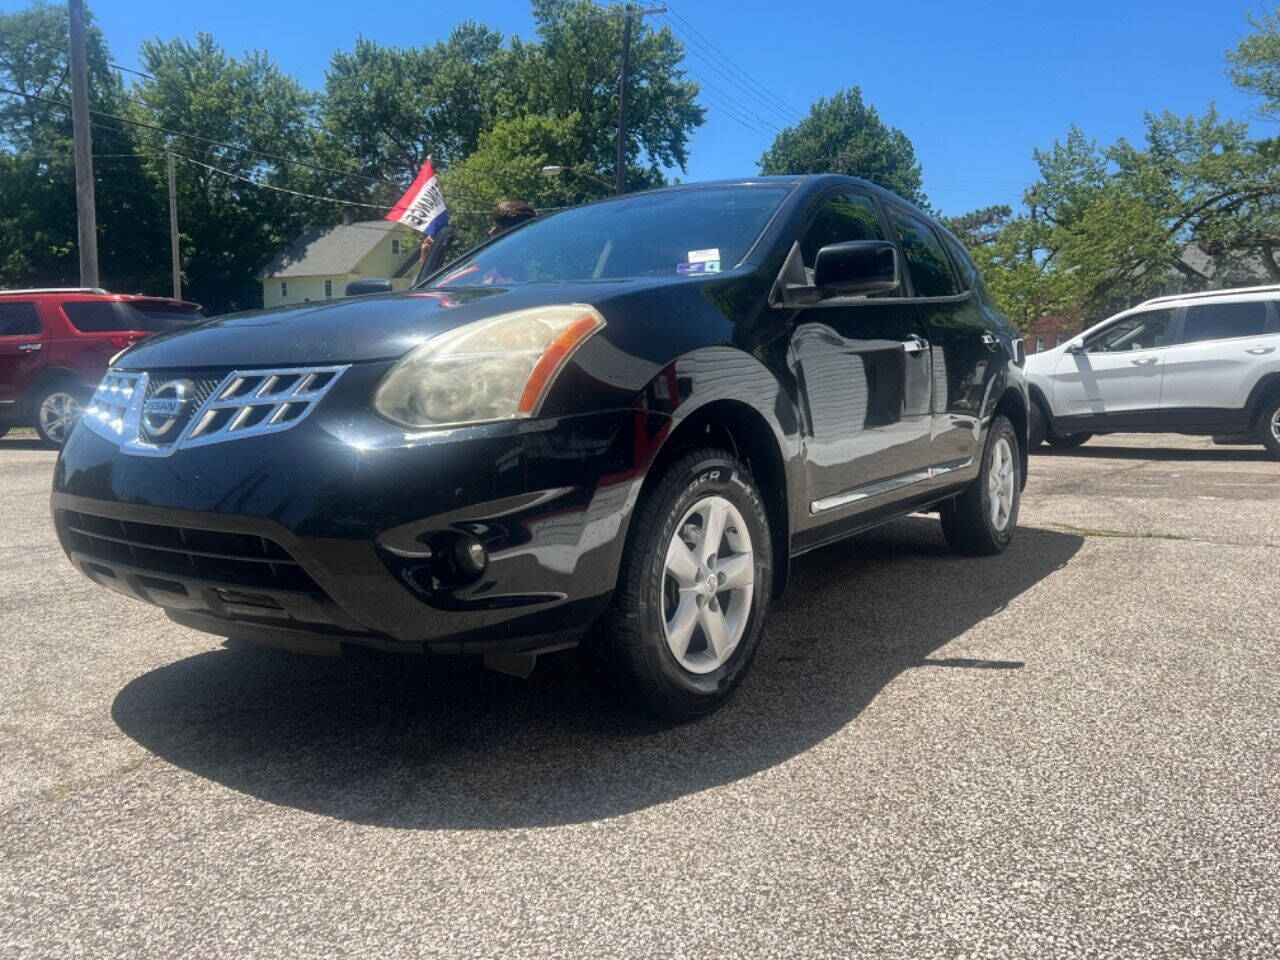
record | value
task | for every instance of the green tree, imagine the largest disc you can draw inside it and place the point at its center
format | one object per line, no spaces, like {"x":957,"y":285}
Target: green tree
{"x":37,"y":168}
{"x":230,"y":227}
{"x":1254,"y":65}
{"x":508,"y":163}
{"x":843,"y":134}
{"x":386,"y":109}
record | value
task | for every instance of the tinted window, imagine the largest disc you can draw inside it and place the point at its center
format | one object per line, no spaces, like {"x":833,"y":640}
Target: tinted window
{"x":663,"y":233}
{"x":1221,"y":321}
{"x":842,"y":219}
{"x":968,"y":272}
{"x":18,"y":319}
{"x":1141,"y":331}
{"x":102,"y":316}
{"x":931,"y":274}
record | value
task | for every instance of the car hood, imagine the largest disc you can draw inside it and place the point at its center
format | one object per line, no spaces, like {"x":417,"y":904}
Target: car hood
{"x":376,"y":327}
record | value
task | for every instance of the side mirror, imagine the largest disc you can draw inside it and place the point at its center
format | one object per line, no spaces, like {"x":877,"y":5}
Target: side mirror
{"x":358,"y":288}
{"x":1076,"y":345}
{"x":860,"y":266}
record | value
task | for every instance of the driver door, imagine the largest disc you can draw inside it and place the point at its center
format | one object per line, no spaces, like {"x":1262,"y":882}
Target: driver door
{"x":866,"y":374}
{"x":1115,"y":381}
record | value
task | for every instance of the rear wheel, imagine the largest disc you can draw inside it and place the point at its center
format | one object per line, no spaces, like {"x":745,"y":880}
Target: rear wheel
{"x":1269,"y":426}
{"x":693,"y":591}
{"x":982,"y":519}
{"x":1068,"y":441}
{"x":57,"y":410}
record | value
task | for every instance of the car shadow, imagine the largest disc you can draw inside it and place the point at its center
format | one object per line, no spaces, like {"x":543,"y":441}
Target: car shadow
{"x":1222,"y":454}
{"x":446,"y":744}
{"x":23,"y":443}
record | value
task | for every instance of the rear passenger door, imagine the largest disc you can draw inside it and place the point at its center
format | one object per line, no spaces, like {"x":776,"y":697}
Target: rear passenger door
{"x":1210,"y":369}
{"x":22,"y":348}
{"x":966,"y":357}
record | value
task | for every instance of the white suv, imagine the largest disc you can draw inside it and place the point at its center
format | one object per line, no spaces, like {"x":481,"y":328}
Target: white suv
{"x":1201,"y":363}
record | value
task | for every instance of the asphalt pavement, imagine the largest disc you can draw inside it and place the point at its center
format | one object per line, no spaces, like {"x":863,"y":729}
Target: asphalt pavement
{"x":1069,"y":750}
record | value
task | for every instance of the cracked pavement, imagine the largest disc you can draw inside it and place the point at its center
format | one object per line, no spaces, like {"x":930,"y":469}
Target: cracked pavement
{"x":1069,"y":750}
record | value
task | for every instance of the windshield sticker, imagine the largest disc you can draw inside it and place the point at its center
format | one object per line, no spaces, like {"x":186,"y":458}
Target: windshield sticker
{"x":704,"y":256}
{"x":706,"y":266}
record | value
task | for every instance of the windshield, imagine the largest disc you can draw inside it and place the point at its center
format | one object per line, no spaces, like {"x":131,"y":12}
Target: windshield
{"x":664,"y":233}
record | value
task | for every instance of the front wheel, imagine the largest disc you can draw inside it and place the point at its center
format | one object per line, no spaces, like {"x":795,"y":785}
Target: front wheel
{"x":693,"y":591}
{"x":982,"y":519}
{"x":1269,"y":427}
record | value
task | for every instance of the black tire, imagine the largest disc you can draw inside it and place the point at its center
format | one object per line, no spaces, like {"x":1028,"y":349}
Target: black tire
{"x":1038,"y":428}
{"x":967,"y":520}
{"x":627,"y":655}
{"x":1269,"y":426}
{"x":1068,"y":441}
{"x":56,"y":437}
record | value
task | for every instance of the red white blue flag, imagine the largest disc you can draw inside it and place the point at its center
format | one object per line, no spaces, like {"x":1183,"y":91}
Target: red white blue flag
{"x":422,"y":206}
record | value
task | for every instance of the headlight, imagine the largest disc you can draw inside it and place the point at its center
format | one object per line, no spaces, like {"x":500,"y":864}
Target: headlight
{"x":495,"y":369}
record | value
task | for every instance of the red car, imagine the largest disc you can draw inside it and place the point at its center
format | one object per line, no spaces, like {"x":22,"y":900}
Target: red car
{"x":55,"y":345}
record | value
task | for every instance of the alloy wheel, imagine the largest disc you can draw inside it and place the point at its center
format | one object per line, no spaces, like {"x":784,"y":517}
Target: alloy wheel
{"x":707,"y":584}
{"x":1275,"y":425}
{"x":58,"y":413}
{"x":1001,"y":478}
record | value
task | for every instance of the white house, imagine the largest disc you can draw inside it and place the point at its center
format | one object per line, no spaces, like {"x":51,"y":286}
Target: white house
{"x":321,"y":262}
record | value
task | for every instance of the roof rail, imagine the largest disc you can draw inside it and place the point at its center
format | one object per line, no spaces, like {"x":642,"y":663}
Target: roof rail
{"x":30,"y":290}
{"x":1203,"y":294}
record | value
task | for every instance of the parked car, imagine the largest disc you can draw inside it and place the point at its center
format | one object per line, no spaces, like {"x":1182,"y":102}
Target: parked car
{"x":55,"y":345}
{"x":613,"y":426}
{"x":1198,"y":363}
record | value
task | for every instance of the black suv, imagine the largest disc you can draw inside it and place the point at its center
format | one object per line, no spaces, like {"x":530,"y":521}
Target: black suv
{"x":612,"y":428}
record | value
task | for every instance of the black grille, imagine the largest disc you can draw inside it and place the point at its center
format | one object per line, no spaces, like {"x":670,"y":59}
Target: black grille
{"x":232,"y":559}
{"x":163,"y":430}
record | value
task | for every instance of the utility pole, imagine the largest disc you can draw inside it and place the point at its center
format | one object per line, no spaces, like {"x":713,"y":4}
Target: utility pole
{"x":86,"y":216}
{"x":173,"y":230}
{"x":628,"y":13}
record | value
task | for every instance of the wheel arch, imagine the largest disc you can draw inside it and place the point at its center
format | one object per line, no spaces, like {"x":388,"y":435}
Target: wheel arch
{"x":1264,"y":391}
{"x":45,"y":378}
{"x":1013,"y":403}
{"x":738,"y":427}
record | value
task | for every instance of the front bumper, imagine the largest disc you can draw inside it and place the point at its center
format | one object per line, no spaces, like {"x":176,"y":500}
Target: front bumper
{"x":331,"y":533}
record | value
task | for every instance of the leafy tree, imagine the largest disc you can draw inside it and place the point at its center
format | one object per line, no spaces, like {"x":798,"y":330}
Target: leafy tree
{"x":37,"y":167}
{"x":573,"y":69}
{"x":230,"y":228}
{"x":845,"y":135}
{"x":1254,"y":65}
{"x":508,"y":164}
{"x":386,"y":109}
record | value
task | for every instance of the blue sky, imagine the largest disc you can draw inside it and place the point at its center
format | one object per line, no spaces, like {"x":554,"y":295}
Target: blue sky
{"x":975,"y":86}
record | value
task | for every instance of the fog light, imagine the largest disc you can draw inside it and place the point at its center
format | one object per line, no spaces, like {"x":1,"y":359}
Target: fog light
{"x":470,"y":556}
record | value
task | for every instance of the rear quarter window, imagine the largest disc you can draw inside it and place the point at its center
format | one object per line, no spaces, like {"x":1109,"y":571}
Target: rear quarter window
{"x":1224,"y":321}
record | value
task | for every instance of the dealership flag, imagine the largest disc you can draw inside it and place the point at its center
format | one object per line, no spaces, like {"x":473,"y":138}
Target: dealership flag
{"x":422,"y":206}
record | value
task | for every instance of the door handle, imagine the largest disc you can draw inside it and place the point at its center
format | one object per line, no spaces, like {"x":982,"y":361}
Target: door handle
{"x":30,"y":347}
{"x":1259,"y":351}
{"x":915,"y":345}
{"x":1145,"y":361}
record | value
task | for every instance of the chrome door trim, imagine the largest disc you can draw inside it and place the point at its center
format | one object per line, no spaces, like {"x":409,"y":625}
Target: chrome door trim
{"x":888,"y":485}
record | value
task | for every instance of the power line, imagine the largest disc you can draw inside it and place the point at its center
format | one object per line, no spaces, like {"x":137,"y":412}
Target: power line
{"x":50,"y":46}
{"x":751,"y":109}
{"x":753,"y":87}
